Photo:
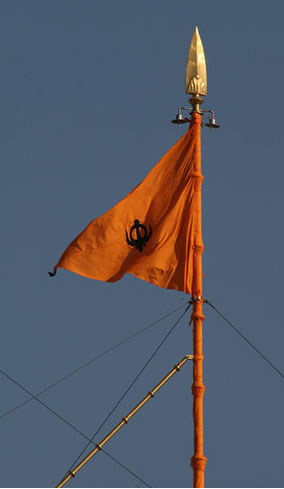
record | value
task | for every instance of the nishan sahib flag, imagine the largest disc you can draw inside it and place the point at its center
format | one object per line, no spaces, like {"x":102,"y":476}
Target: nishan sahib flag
{"x":149,"y":233}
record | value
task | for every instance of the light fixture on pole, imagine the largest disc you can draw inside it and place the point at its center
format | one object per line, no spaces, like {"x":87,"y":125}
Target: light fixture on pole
{"x":179,"y":120}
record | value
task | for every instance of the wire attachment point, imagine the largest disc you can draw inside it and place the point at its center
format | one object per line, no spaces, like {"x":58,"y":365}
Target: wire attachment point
{"x":197,"y":298}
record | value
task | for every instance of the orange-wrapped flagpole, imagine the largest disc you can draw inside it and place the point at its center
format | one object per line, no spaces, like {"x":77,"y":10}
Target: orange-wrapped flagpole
{"x":198,"y":460}
{"x":196,"y":85}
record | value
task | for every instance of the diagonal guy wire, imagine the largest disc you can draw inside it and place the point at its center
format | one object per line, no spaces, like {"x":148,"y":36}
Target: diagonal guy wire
{"x":68,"y":424}
{"x":130,"y":386}
{"x":124,"y":467}
{"x":92,"y":360}
{"x":246,"y":339}
{"x":32,"y":396}
{"x":42,"y":403}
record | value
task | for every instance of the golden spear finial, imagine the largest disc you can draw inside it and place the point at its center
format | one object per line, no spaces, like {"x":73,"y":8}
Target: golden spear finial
{"x":195,"y":75}
{"x":195,"y":82}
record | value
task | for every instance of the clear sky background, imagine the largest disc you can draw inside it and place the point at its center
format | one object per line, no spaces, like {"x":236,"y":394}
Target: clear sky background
{"x":88,"y":90}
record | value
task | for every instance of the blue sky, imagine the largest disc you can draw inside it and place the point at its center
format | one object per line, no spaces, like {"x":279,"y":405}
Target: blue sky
{"x":88,"y":89}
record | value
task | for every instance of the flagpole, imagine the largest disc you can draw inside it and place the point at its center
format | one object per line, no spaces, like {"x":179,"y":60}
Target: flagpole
{"x":198,"y":460}
{"x":196,"y":85}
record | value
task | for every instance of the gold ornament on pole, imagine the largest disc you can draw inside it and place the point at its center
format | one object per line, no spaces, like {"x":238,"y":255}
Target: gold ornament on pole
{"x":195,"y":82}
{"x":195,"y":74}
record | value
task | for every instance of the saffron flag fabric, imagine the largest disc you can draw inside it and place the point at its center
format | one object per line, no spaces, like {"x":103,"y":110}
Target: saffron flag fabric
{"x":149,"y":233}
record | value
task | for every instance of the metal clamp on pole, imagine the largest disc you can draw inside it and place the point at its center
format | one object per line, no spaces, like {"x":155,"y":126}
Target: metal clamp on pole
{"x":197,"y":298}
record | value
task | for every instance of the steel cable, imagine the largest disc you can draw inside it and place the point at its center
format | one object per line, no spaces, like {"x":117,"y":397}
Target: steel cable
{"x":128,"y":388}
{"x":59,"y":416}
{"x":69,"y":424}
{"x":246,"y":339}
{"x":124,"y":467}
{"x":92,"y":360}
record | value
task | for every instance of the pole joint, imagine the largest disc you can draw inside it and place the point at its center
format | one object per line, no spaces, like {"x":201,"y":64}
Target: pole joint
{"x":198,"y":357}
{"x":198,"y":463}
{"x":196,"y":101}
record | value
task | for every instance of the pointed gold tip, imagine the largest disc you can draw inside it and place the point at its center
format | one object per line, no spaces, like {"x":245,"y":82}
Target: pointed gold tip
{"x":195,"y":75}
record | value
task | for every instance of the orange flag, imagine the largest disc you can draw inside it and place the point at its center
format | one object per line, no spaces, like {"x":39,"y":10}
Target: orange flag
{"x":149,"y":233}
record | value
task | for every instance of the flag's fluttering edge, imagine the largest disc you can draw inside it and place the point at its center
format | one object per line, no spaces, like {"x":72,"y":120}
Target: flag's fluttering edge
{"x":149,"y":233}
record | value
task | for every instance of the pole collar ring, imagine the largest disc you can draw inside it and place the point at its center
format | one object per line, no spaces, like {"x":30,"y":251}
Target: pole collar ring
{"x":197,"y":298}
{"x":198,"y":357}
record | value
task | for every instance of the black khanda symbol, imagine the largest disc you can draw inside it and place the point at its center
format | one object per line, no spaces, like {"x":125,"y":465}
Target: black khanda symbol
{"x":142,"y":235}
